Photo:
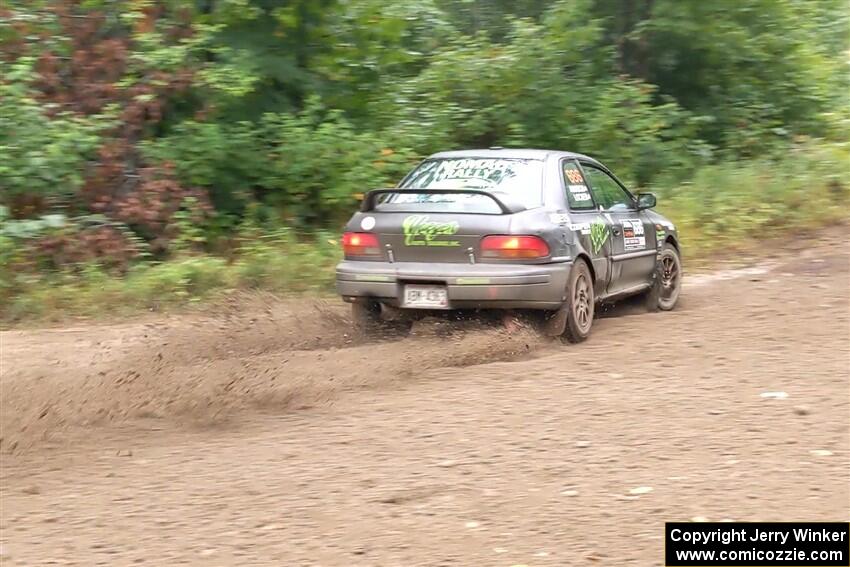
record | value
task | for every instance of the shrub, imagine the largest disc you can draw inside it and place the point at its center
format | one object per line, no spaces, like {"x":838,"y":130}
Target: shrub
{"x":734,"y":202}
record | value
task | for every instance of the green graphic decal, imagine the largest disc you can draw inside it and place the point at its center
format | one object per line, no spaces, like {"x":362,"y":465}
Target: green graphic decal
{"x":598,"y":235}
{"x":660,"y":235}
{"x":472,"y":281}
{"x":420,"y":231}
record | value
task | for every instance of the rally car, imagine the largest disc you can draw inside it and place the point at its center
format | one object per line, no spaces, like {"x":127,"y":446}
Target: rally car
{"x":552,"y":232}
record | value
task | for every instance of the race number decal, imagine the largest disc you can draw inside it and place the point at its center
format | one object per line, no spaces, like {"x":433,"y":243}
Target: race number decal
{"x":633,"y":236}
{"x":573,"y":176}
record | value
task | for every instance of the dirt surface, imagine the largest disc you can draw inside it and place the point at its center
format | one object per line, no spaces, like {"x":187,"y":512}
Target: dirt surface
{"x":266,"y":435}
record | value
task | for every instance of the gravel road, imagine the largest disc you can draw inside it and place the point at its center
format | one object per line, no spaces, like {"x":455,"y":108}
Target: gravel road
{"x":264,"y":435}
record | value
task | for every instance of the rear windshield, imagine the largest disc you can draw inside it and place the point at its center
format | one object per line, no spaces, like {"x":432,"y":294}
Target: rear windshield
{"x":514,"y":179}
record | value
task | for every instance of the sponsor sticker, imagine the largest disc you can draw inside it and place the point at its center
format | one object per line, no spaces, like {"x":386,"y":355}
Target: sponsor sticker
{"x":581,"y":227}
{"x":633,"y":235}
{"x":420,"y":230}
{"x":559,"y":218}
{"x":368,"y":223}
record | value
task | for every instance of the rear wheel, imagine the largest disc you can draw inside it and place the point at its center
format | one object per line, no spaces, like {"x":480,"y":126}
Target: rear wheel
{"x":665,"y":290}
{"x":580,"y":303}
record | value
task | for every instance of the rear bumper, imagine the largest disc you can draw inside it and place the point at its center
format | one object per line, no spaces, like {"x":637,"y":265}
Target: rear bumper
{"x":505,"y":286}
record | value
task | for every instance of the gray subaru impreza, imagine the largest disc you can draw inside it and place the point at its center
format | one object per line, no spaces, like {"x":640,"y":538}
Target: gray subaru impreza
{"x":552,"y":232}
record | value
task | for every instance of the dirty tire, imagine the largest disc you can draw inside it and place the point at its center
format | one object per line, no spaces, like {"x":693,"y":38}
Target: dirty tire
{"x":580,"y":303}
{"x":667,"y":285}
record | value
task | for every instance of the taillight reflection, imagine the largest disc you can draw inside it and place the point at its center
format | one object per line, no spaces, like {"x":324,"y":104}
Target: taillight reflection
{"x":360,"y":244}
{"x":507,"y":247}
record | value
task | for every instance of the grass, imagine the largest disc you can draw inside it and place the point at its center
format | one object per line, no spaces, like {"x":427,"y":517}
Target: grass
{"x":723,"y":208}
{"x":737,"y":205}
{"x":274,"y":263}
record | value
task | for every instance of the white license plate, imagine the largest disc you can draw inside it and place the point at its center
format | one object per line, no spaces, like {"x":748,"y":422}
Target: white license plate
{"x":426,"y":297}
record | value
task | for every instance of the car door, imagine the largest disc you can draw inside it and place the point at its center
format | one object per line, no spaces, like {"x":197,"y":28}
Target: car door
{"x":590,"y":227}
{"x":632,"y":233}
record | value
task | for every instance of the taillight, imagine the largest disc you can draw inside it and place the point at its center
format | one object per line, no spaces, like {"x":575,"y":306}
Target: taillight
{"x":360,"y":244}
{"x":507,"y":247}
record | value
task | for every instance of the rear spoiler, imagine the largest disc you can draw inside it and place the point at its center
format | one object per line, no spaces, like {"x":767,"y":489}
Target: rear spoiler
{"x":371,"y":198}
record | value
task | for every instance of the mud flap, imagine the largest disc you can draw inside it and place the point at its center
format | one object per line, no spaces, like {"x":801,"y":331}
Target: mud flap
{"x":555,"y":323}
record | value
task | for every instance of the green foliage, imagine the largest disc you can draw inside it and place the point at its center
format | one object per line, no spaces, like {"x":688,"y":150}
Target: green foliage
{"x":758,"y":69}
{"x":318,"y":164}
{"x":290,"y":102}
{"x":541,"y":89}
{"x":306,"y":167}
{"x":42,"y":151}
{"x":492,"y":17}
{"x":223,"y":158}
{"x":30,"y":228}
{"x":375,"y":44}
{"x":271,"y":259}
{"x":733,"y":203}
{"x":306,"y":264}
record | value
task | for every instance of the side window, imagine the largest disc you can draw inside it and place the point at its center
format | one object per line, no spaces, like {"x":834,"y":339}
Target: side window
{"x":606,"y":191}
{"x":578,"y":196}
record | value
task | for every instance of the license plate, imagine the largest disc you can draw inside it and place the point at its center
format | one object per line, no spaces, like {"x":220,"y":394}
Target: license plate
{"x":426,"y":297}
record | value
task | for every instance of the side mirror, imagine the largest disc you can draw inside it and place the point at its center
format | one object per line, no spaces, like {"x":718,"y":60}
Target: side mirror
{"x":645,"y":201}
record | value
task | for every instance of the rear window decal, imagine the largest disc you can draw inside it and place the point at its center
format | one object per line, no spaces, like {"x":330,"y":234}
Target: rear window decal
{"x":420,"y":230}
{"x":519,"y":178}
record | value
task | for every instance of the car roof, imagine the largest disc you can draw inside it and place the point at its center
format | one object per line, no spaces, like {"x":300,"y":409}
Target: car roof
{"x":516,"y":153}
